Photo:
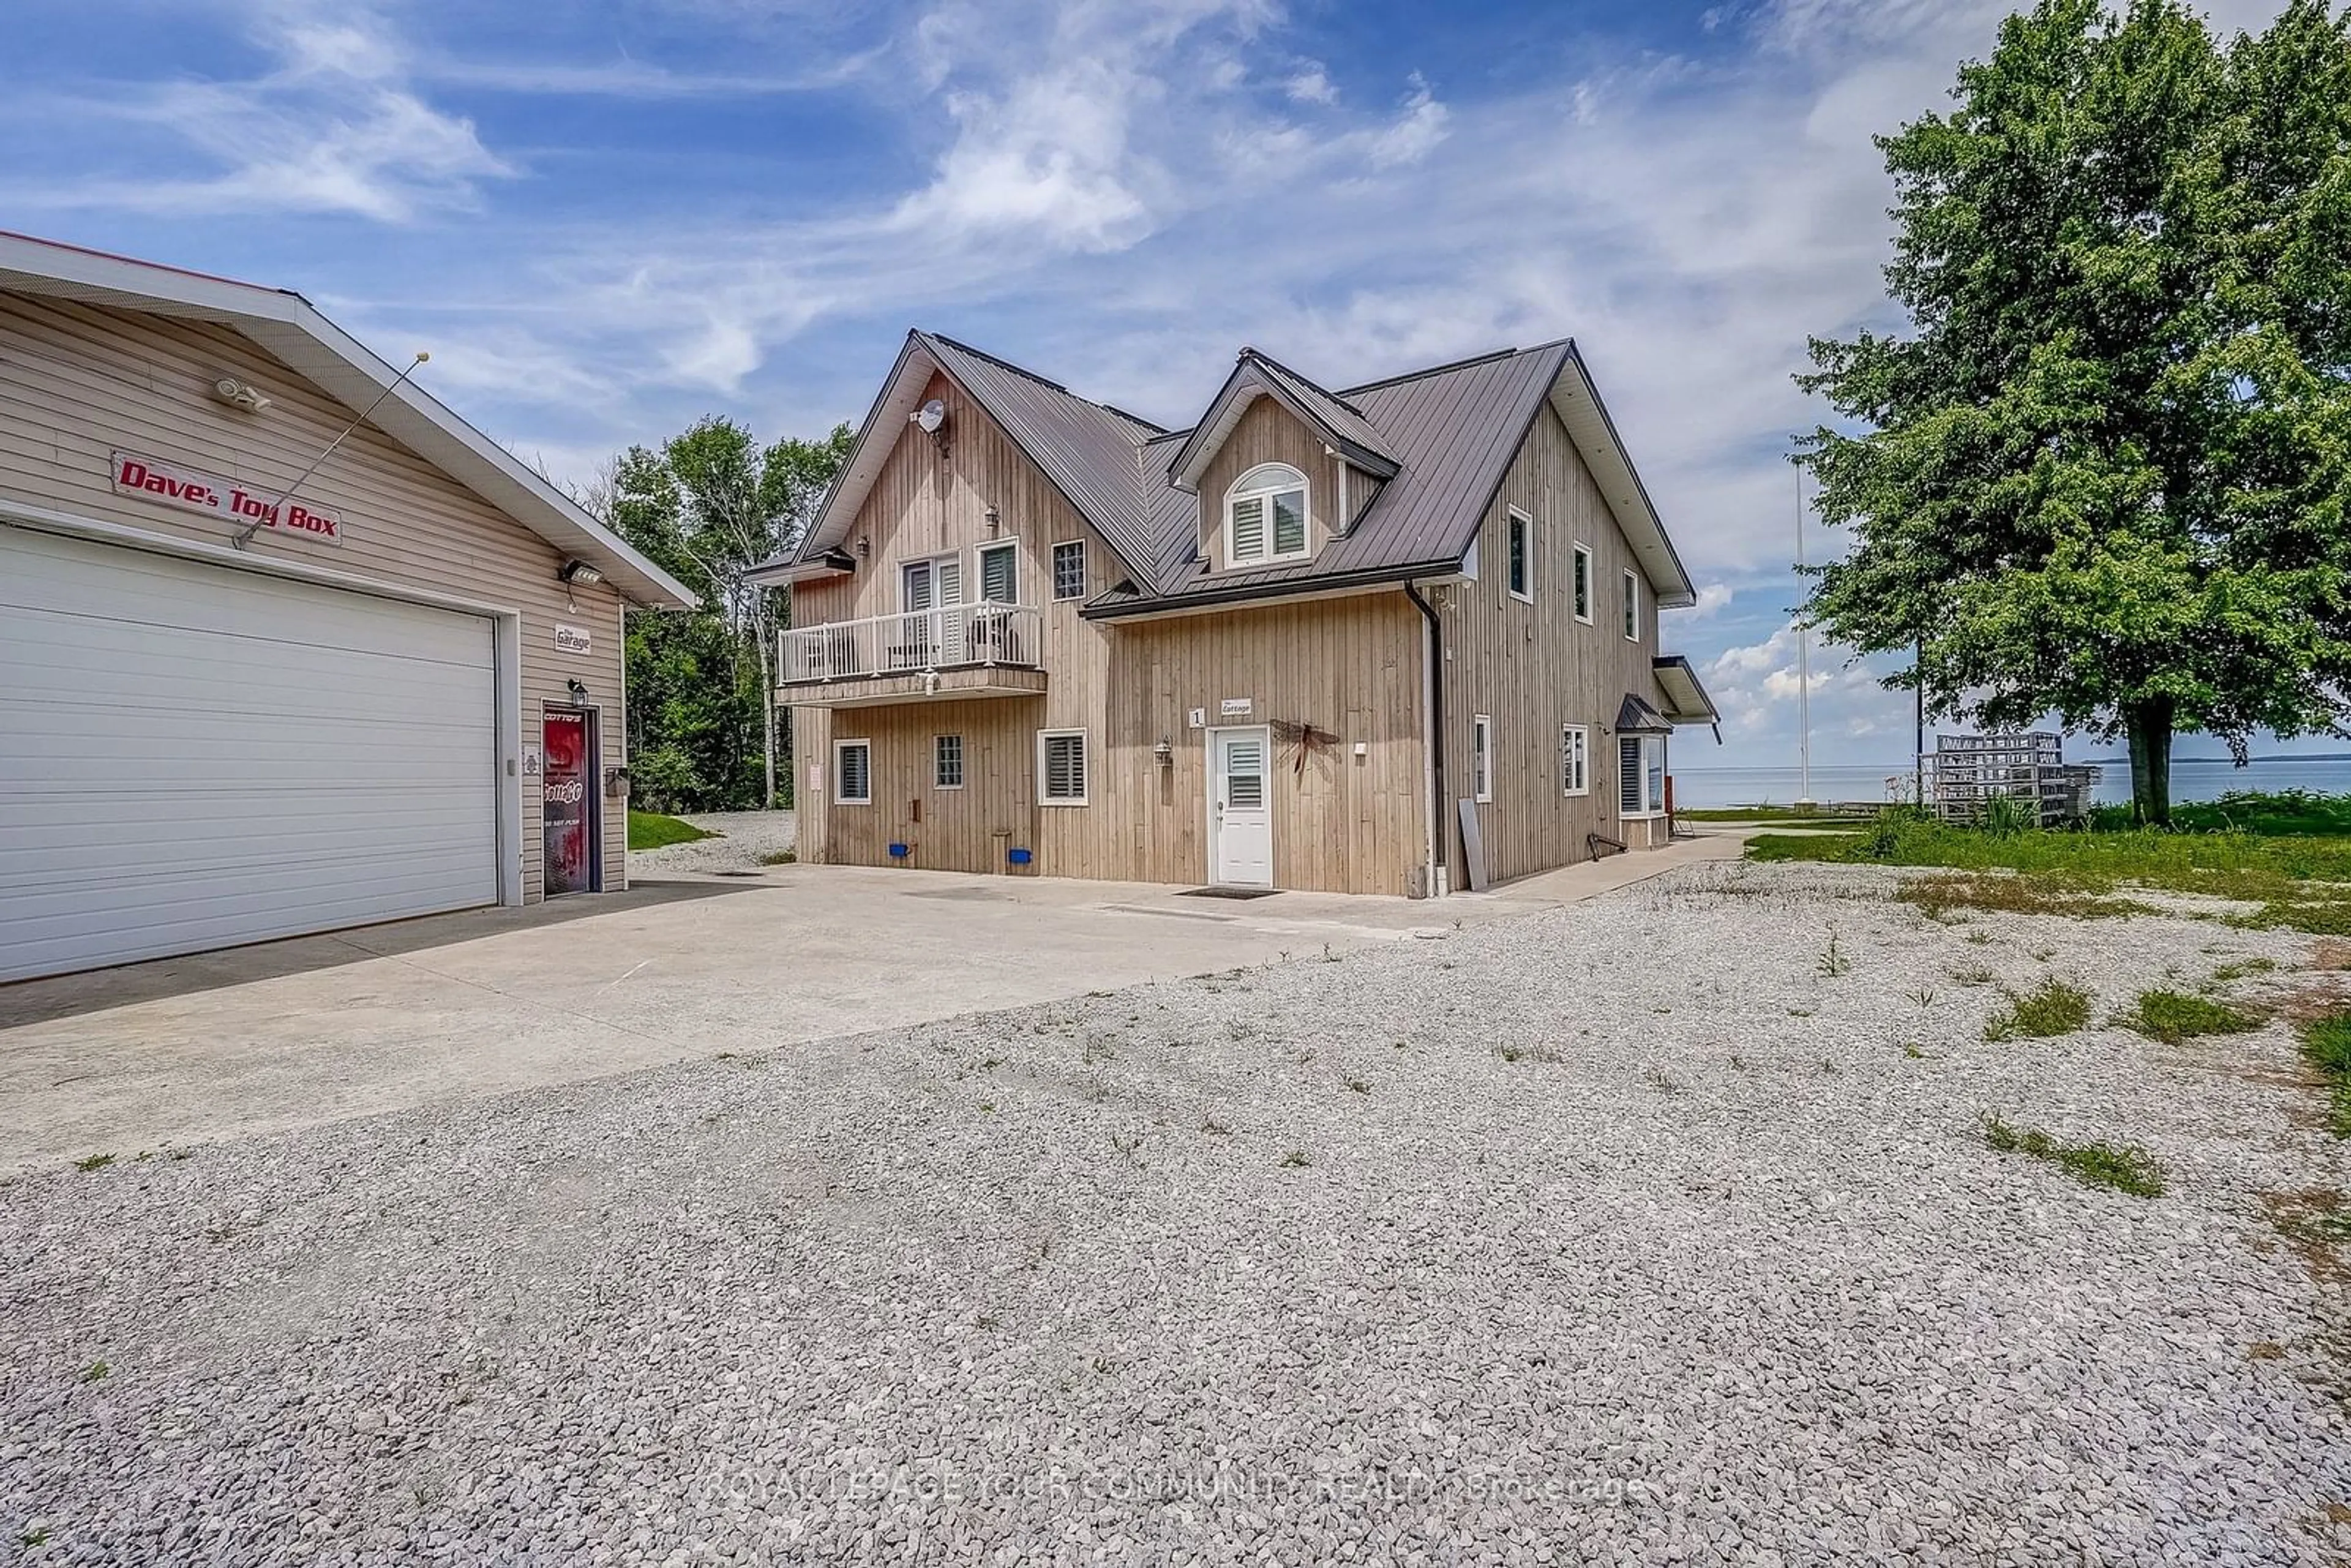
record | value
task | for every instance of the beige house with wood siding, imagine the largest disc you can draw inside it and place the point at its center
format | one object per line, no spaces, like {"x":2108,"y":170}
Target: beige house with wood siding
{"x":288,"y":646}
{"x":1399,"y":639}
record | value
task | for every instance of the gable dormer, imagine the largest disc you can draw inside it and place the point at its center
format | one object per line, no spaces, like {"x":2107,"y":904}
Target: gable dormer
{"x":1281,"y":467}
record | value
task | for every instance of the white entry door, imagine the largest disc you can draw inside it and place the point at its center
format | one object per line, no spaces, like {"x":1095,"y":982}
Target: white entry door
{"x":1240,"y":811}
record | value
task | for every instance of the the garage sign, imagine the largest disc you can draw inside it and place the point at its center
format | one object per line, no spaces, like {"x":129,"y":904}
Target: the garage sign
{"x":228,"y":499}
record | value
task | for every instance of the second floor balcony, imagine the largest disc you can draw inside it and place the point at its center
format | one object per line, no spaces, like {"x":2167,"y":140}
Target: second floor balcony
{"x":955,"y":651}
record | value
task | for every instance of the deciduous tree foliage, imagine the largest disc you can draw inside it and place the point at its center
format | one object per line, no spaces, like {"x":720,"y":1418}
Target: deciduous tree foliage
{"x":709,"y":505}
{"x":2106,"y":470}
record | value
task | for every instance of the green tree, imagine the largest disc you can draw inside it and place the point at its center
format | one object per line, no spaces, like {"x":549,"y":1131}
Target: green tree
{"x":708,"y":506}
{"x":2105,"y":471}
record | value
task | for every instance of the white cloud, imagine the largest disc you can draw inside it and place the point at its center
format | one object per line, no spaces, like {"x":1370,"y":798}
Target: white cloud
{"x":1310,"y":84}
{"x":1419,"y":127}
{"x":1713,"y":598}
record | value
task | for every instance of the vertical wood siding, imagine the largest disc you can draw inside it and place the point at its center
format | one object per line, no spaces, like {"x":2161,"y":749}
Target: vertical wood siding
{"x":1534,"y":667}
{"x":1347,"y":666}
{"x":79,"y":381}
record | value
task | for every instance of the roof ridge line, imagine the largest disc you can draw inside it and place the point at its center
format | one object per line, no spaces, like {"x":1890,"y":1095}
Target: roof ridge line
{"x":1308,"y":381}
{"x":1464,"y":364}
{"x":1023,"y":372}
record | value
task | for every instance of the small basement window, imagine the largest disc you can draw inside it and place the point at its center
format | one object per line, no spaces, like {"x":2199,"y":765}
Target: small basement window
{"x":947,"y":761}
{"x":1069,"y":569}
{"x":1481,"y":757}
{"x":1062,"y":767}
{"x":852,"y":773}
{"x":1575,"y":760}
{"x":1523,"y":566}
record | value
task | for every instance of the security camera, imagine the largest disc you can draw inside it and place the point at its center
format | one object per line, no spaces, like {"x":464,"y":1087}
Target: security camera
{"x":239,"y":394}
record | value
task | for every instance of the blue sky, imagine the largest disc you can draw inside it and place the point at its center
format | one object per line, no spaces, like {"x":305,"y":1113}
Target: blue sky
{"x":607,"y":219}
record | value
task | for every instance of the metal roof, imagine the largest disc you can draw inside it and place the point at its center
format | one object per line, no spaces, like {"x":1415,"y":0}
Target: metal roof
{"x":290,"y":329}
{"x":1436,"y":445}
{"x":1686,"y":700}
{"x":1339,"y":422}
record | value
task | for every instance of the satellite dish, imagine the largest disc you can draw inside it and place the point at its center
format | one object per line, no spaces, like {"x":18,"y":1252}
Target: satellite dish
{"x":933,"y":415}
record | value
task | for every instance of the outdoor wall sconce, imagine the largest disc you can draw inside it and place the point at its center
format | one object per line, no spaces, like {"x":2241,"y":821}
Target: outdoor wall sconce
{"x":579,"y":574}
{"x":1165,"y":752}
{"x":579,"y":690}
{"x":995,"y":519}
{"x":865,"y":544}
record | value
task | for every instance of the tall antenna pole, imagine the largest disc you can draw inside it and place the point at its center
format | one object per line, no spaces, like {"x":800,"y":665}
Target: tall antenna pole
{"x":244,"y":535}
{"x":1803,"y":668}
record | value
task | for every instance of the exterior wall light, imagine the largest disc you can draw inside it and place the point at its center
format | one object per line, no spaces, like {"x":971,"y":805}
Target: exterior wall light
{"x":579,"y":574}
{"x":579,"y":690}
{"x":1165,"y":752}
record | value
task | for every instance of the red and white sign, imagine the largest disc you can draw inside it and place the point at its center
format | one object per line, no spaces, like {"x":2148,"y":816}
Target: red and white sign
{"x":228,"y":499}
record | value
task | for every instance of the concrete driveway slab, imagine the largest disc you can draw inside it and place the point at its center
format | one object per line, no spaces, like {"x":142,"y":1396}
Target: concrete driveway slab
{"x":291,"y":1034}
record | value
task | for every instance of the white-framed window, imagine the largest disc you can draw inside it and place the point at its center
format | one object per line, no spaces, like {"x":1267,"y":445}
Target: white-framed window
{"x":1069,"y":569}
{"x":1632,"y":607}
{"x":931,"y":584}
{"x":1482,"y":756}
{"x":1062,"y":767}
{"x":1575,"y":760}
{"x":1641,"y":775}
{"x":999,"y":574}
{"x":1265,"y":516}
{"x":1582,"y":584}
{"x":947,"y":761}
{"x":1522,"y":556}
{"x":852,"y":773}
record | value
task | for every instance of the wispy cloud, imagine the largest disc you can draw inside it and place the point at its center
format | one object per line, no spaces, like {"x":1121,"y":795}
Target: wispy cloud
{"x":337,"y":126}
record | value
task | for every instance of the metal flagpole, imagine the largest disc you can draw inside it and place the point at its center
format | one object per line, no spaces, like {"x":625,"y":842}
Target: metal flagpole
{"x":1803,"y":668}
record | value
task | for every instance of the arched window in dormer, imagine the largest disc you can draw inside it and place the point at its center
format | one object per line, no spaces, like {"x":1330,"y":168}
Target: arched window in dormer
{"x":1265,"y":516}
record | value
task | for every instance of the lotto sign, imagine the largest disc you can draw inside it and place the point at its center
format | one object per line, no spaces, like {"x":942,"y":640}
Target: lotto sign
{"x":192,"y":491}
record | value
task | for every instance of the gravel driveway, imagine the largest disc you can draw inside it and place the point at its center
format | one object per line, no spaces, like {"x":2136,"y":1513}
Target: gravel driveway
{"x":1618,"y":1233}
{"x":745,"y":840}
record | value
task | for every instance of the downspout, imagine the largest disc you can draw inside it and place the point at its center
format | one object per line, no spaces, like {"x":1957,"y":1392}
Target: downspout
{"x":1433,"y":748}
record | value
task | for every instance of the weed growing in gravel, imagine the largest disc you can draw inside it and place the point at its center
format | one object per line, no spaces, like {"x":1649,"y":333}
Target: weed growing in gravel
{"x":1800,"y":1012}
{"x":1911,"y":1050}
{"x":2049,"y":1010}
{"x":94,"y":1372}
{"x":1924,"y":996}
{"x":1096,"y":1051}
{"x":1129,"y":1145}
{"x":1973,"y":975}
{"x":1295,"y":1160}
{"x":1515,"y":1054}
{"x":2172,"y":1017}
{"x":93,"y":1162}
{"x":1828,"y":1068}
{"x":778,"y":857}
{"x":2006,"y":894}
{"x":987,"y":1321}
{"x":1737,"y":1062}
{"x":1360,"y":1085}
{"x":2129,"y":1168}
{"x":1833,"y":961}
{"x":37,"y":1536}
{"x":1658,"y":1079}
{"x":2326,"y":1041}
{"x":987,"y":1107}
{"x":2228,"y":973}
{"x":1216,"y":1129}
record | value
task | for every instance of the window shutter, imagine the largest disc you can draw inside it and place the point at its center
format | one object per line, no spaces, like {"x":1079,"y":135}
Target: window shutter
{"x":1065,"y":767}
{"x":1628,"y":775}
{"x":950,"y":582}
{"x":1249,"y":528}
{"x":856,"y":773}
{"x":996,"y":585}
{"x":1290,"y":522}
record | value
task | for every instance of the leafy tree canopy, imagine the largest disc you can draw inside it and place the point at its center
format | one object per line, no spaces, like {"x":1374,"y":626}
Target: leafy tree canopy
{"x":2106,"y":470}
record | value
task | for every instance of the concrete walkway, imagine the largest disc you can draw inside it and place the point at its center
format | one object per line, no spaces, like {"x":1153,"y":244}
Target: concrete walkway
{"x":293,"y":1033}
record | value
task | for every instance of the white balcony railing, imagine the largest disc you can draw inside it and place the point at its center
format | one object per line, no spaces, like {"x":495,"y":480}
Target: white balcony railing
{"x":948,"y":638}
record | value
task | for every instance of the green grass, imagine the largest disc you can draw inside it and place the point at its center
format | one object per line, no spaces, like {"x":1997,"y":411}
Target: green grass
{"x":2326,"y":1041}
{"x":2172,"y":1017}
{"x":2129,"y":1168}
{"x":2284,"y":813}
{"x":2301,"y":884}
{"x":2049,"y":1010}
{"x":651,"y":831}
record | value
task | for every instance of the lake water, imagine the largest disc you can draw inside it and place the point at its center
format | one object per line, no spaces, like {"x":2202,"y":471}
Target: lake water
{"x":2192,"y":779}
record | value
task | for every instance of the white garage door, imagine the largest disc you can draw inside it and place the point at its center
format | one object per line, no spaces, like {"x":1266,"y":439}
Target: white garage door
{"x":192,"y":756}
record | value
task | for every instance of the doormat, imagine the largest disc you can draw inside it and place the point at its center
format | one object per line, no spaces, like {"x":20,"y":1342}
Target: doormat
{"x":1229,"y":893}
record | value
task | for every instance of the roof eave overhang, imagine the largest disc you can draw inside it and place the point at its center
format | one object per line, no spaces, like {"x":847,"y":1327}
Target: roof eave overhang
{"x":781,"y":574}
{"x":1321,"y":586}
{"x":1576,"y":400}
{"x":1686,"y":700}
{"x":290,"y":329}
